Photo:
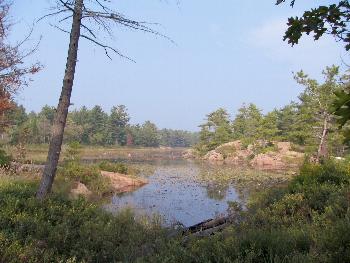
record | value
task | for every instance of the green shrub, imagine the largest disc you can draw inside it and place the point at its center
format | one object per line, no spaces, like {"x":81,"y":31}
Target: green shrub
{"x":87,"y":174}
{"x":113,"y":167}
{"x":329,"y":173}
{"x":5,"y":159}
{"x":226,"y":151}
{"x":73,"y":152}
{"x":306,"y":221}
{"x":260,"y":148}
{"x":297,"y":148}
{"x":60,"y":230}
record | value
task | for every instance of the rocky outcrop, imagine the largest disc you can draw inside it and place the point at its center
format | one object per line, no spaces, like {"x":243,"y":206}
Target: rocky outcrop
{"x":278,"y":155}
{"x":283,"y":147}
{"x":80,"y":189}
{"x":269,"y":161}
{"x":121,"y":183}
{"x":240,"y":157}
{"x":189,"y":154}
{"x":213,"y":156}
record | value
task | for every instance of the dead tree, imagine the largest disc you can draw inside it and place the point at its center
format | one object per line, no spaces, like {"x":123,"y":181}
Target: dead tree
{"x":87,"y":17}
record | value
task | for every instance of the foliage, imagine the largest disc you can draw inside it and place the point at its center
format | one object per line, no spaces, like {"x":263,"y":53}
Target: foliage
{"x":59,"y":230}
{"x":119,"y":119}
{"x":5,"y":159}
{"x":177,"y":138}
{"x":93,"y":127}
{"x":14,"y":73}
{"x":248,"y":122}
{"x":145,"y":134}
{"x":265,"y":147}
{"x":87,"y":174}
{"x":332,"y":19}
{"x":307,"y":221}
{"x":73,"y":152}
{"x":113,"y":167}
{"x":217,"y":130}
{"x":341,"y":109}
{"x":309,"y":122}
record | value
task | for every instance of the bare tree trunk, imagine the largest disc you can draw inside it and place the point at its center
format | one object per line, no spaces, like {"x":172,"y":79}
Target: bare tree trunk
{"x":63,"y":105}
{"x":322,"y":148}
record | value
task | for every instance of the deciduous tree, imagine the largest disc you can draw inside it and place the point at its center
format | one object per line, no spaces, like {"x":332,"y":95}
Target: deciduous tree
{"x":14,"y":72}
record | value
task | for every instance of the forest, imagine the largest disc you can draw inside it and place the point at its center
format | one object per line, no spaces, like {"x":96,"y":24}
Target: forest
{"x":86,"y":184}
{"x":92,"y":127}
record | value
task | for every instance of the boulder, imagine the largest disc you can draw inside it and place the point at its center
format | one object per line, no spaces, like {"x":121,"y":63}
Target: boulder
{"x":294,"y":154}
{"x":120,"y":183}
{"x":284,"y":147}
{"x":235,"y":160}
{"x":268,"y":162}
{"x":80,"y":189}
{"x":214,"y":156}
{"x":235,"y":145}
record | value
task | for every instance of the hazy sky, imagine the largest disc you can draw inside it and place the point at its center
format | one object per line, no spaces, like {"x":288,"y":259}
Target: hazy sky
{"x":227,"y":52}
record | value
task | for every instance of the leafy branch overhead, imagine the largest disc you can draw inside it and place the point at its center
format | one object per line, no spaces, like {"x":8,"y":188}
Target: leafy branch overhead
{"x":332,"y":19}
{"x":98,"y":17}
{"x":341,"y":106}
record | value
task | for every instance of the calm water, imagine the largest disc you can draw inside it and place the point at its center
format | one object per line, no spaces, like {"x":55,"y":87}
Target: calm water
{"x":176,"y":192}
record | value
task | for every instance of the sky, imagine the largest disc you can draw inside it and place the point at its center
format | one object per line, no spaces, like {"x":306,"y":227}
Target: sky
{"x":224,"y":53}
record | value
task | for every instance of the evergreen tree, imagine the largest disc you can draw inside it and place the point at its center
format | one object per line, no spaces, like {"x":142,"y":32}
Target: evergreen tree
{"x":269,"y":126}
{"x":118,"y":121}
{"x":315,"y":106}
{"x":247,"y":124}
{"x":98,"y":125}
{"x":215,"y":131}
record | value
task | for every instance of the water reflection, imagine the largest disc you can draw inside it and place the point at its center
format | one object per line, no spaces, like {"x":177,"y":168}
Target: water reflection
{"x":177,"y":192}
{"x":217,"y":191}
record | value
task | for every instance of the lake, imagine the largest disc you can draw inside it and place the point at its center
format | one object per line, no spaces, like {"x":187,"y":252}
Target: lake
{"x":178,"y":193}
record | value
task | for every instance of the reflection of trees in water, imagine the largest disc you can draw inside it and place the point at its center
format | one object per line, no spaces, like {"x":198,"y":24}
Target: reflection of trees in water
{"x":244,"y":192}
{"x":216,"y":185}
{"x":217,"y":191}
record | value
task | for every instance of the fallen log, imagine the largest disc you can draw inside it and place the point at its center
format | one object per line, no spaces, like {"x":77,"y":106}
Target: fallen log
{"x":208,"y":227}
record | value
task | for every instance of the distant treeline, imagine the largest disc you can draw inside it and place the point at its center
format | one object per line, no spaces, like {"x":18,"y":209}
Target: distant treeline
{"x":93,"y":127}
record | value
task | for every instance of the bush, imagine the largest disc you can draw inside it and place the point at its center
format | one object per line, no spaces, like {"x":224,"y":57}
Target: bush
{"x":87,"y":174}
{"x":60,"y":230}
{"x":262,"y":148}
{"x":5,"y":160}
{"x":226,"y":151}
{"x":73,"y":152}
{"x":113,"y":167}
